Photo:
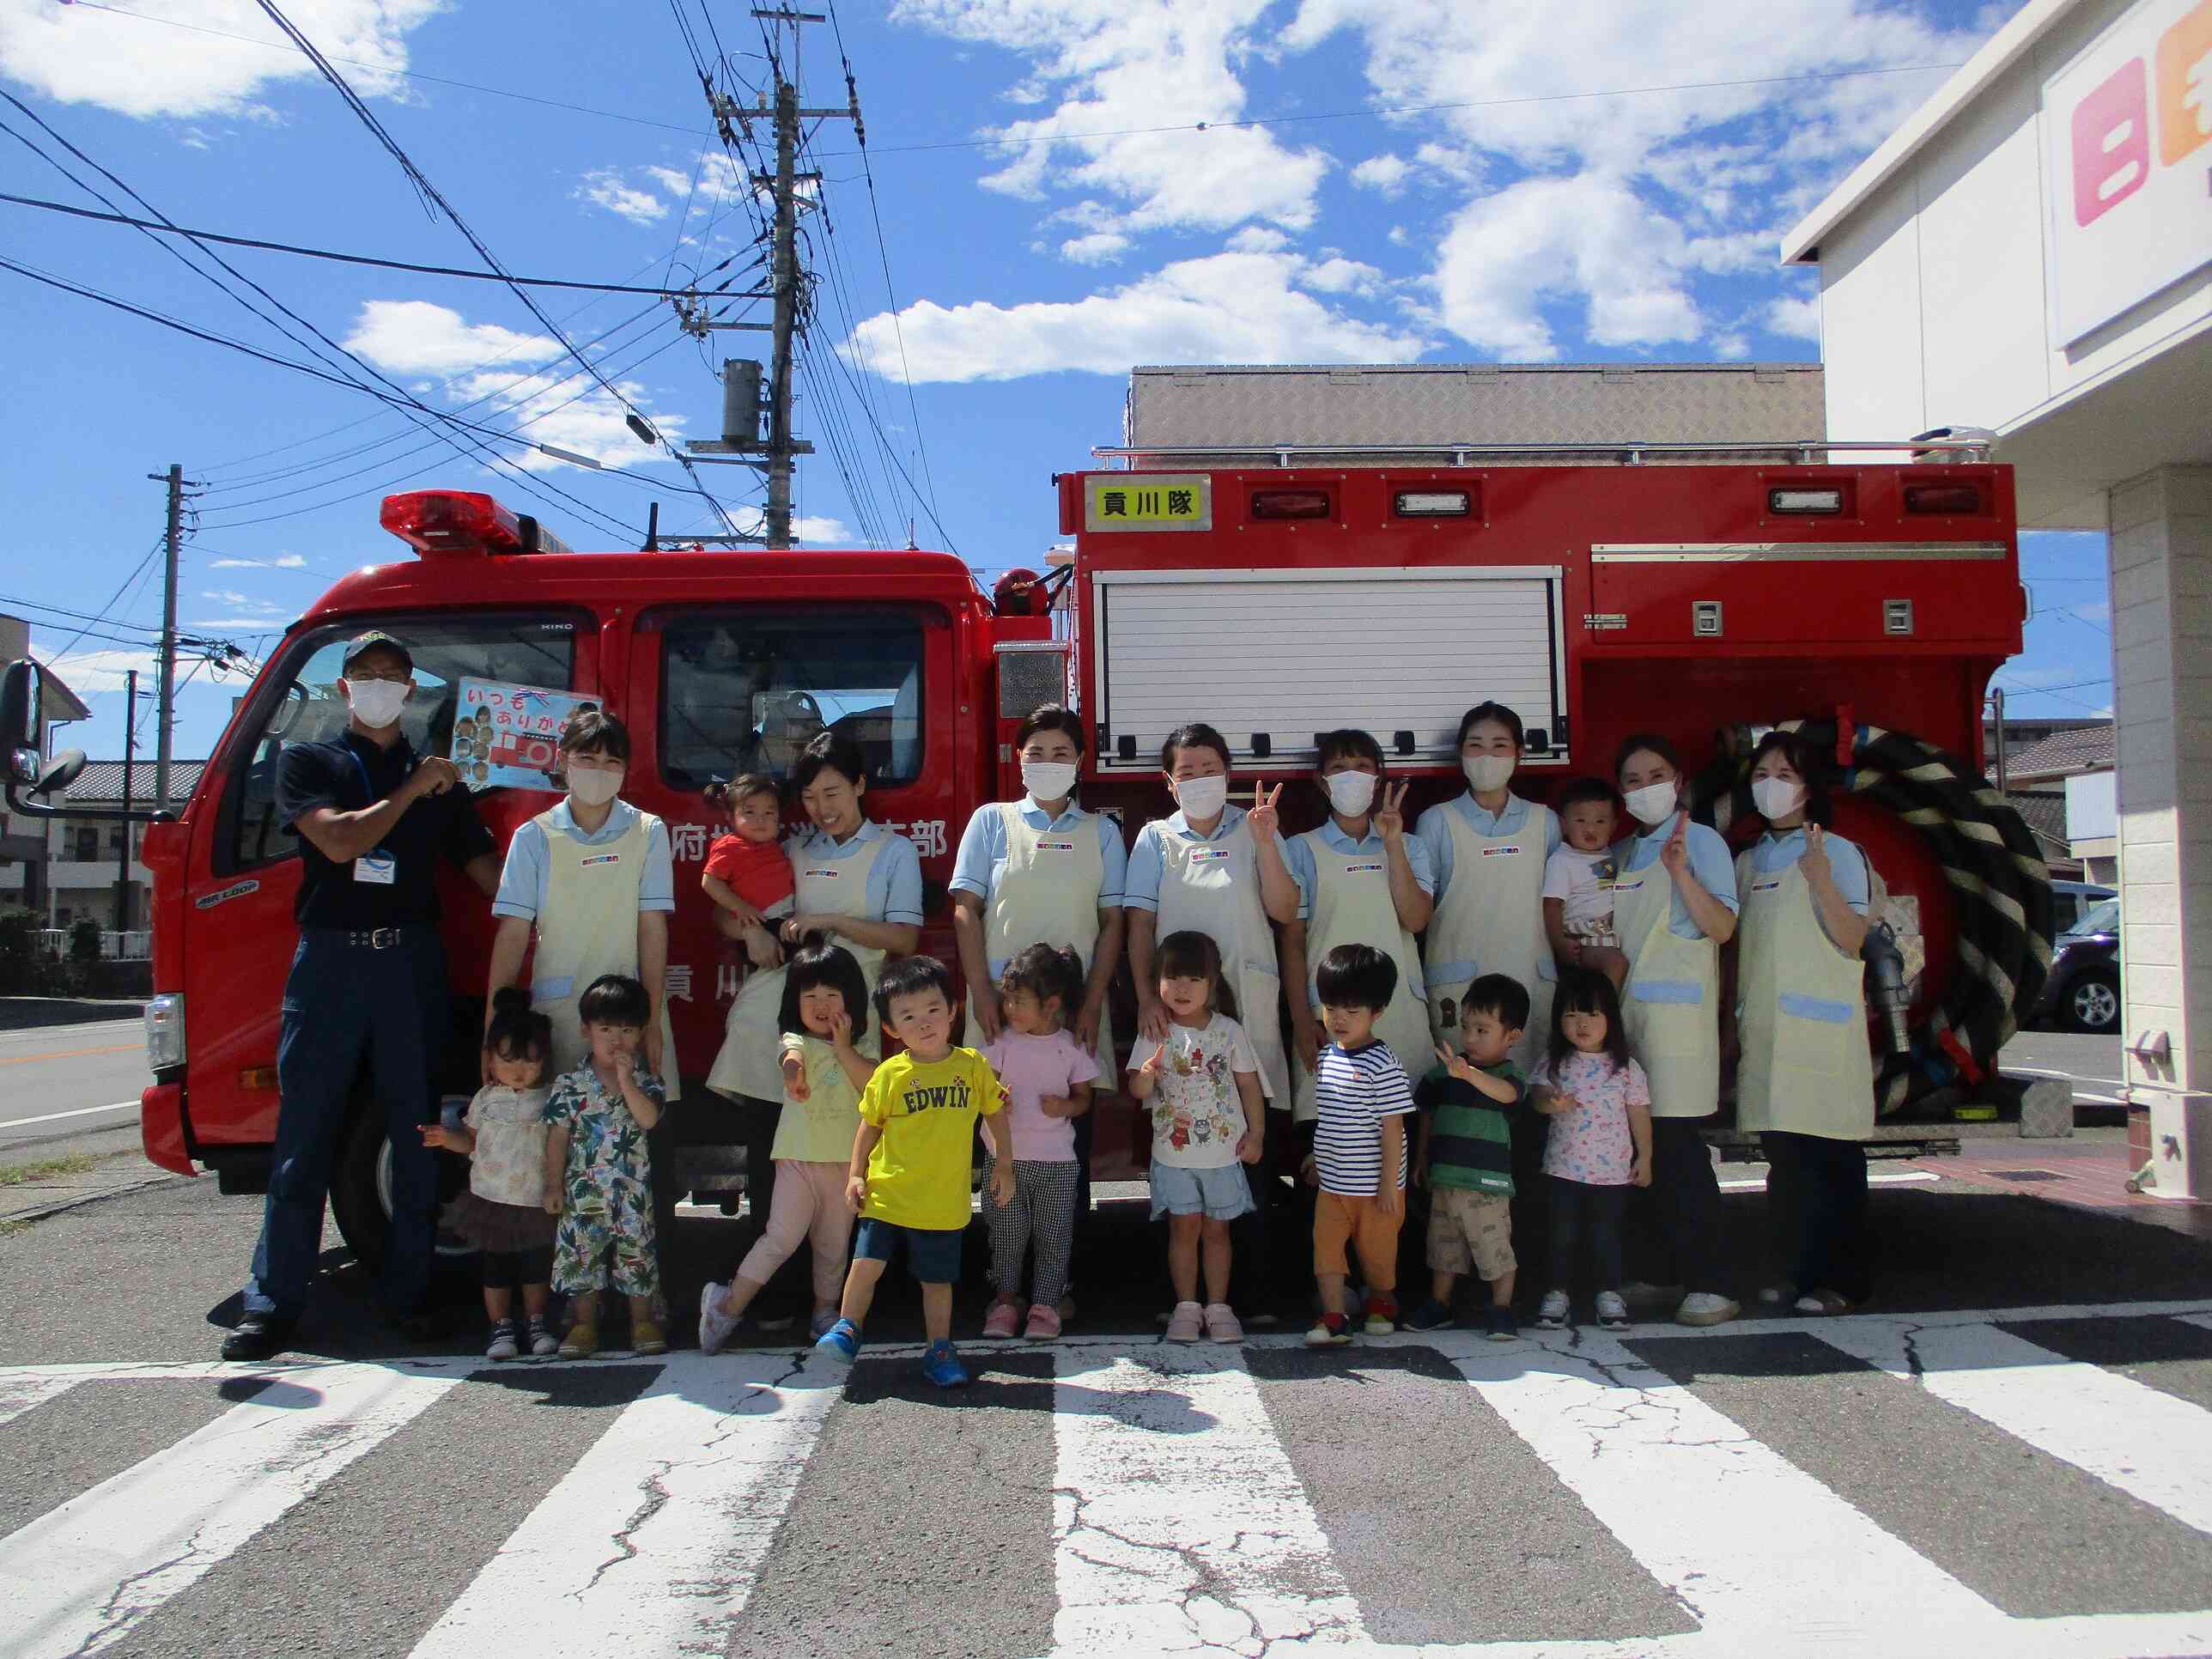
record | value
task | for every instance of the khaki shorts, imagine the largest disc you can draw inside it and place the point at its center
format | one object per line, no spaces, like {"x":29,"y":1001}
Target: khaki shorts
{"x":1470,"y":1230}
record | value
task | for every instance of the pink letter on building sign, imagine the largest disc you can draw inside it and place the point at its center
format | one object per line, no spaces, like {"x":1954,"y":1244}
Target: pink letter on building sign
{"x":2112,"y":143}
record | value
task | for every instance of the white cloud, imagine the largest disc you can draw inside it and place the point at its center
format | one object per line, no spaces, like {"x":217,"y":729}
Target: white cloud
{"x":1334,"y":274}
{"x":88,"y":673}
{"x":1794,"y":319}
{"x":1230,"y":307}
{"x":605,"y":188}
{"x":1731,"y":347}
{"x":1385,"y":174}
{"x":1258,"y":239}
{"x":413,"y":337}
{"x":822,"y":532}
{"x":1100,"y":248}
{"x":281,"y":562}
{"x":143,"y":67}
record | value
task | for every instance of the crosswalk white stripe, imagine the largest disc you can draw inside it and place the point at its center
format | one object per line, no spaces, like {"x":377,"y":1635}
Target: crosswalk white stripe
{"x":1758,"y":1551}
{"x":77,"y":1577}
{"x":20,"y":1394}
{"x":2149,"y":1445}
{"x":651,"y":1543}
{"x":1179,"y":1525}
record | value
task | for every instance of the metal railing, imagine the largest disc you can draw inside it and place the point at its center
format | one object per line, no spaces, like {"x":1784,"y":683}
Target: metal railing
{"x":1968,"y":449}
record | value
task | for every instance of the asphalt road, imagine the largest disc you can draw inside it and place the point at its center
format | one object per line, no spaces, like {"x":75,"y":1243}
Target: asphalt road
{"x":57,"y":1082}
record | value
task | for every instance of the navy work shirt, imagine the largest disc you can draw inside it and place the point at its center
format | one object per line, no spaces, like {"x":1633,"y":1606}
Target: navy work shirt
{"x":352,"y":773}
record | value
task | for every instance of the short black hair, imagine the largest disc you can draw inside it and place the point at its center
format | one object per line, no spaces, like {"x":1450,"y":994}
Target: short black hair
{"x":828,"y":751}
{"x":1050,"y":717}
{"x":1195,"y":735}
{"x":1046,"y":971}
{"x":1657,"y":744}
{"x":1492,"y":711}
{"x":1808,"y":763}
{"x":595,"y":731}
{"x":1586,"y":991}
{"x":910,"y":976}
{"x":1356,"y":977}
{"x":1499,"y":995}
{"x":615,"y":1000}
{"x":743,"y":787}
{"x":1348,"y":742}
{"x":820,"y":963}
{"x":1577,"y":791}
{"x":517,"y":1032}
{"x":1188,"y":954}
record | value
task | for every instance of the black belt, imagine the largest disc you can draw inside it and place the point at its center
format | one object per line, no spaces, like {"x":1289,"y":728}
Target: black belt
{"x":375,"y":939}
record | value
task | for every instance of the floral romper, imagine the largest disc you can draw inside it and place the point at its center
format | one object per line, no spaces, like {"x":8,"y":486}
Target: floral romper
{"x":606,"y":1207}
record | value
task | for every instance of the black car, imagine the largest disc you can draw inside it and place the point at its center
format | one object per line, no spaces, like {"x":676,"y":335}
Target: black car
{"x":2083,"y":992}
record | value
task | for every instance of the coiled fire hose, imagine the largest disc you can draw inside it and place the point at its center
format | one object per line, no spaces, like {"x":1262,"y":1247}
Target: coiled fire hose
{"x":2000,"y":891}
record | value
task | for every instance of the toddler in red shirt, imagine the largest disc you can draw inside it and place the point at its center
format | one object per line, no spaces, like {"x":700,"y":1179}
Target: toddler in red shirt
{"x":749,"y":865}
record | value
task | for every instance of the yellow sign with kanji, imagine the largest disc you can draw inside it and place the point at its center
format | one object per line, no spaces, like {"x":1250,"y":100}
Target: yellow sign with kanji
{"x":1148,"y":500}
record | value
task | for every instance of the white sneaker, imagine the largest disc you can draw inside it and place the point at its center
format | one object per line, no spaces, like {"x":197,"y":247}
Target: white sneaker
{"x":503,"y":1341}
{"x":544,"y":1344}
{"x":1705,"y":1308}
{"x":1612,"y":1311}
{"x":1185,"y":1323}
{"x":1551,"y":1312}
{"x":715,"y":1325}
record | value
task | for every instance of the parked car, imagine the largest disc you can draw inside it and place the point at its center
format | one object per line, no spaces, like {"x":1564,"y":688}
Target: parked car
{"x":2083,"y":992}
{"x":2070,"y":901}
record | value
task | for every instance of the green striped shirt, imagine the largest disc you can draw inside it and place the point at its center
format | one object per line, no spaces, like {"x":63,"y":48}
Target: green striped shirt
{"x":1470,"y":1141}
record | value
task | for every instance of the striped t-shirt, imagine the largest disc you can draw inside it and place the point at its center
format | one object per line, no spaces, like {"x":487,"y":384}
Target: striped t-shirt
{"x":1355,"y":1090}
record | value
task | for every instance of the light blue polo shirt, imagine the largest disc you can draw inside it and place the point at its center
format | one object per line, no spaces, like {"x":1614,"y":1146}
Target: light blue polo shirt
{"x":982,"y":855}
{"x":522,"y":878}
{"x":1141,"y":886}
{"x":1709,"y":862}
{"x":1435,"y":833}
{"x":894,"y":883}
{"x":1299,"y":857}
{"x":1774,"y":851}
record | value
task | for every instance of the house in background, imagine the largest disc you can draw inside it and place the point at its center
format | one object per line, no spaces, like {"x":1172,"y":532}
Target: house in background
{"x":82,"y":857}
{"x":2064,"y":786}
{"x":23,"y":839}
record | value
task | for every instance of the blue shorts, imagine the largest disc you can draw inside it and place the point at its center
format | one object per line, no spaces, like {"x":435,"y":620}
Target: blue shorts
{"x":1221,"y":1194}
{"x":933,"y":1255}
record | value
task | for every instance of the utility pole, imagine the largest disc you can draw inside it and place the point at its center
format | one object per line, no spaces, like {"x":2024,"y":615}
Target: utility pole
{"x":165,"y":705}
{"x":129,"y":752}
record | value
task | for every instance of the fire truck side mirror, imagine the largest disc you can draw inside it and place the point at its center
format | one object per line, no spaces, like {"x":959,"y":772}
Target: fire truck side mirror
{"x":1401,"y":743}
{"x":21,"y":694}
{"x":1537,"y":740}
{"x":1263,"y":745}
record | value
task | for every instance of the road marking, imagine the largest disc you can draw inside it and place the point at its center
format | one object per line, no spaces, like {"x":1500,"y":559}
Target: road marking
{"x":651,"y":1542}
{"x":22,"y":1393}
{"x":71,"y":1054}
{"x":79,"y":1576}
{"x":1179,"y":1525}
{"x":7,"y":1124}
{"x":1895,"y":1178}
{"x":2151,"y":1445}
{"x":1761,"y":1554}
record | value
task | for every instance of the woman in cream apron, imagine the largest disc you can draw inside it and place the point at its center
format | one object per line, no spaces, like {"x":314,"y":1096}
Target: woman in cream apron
{"x":1673,"y":907}
{"x":1805,"y":1080}
{"x":1487,"y":851}
{"x":1360,"y":881}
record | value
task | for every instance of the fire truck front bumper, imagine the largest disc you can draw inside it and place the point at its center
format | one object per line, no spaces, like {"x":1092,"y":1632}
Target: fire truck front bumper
{"x":161,"y":1126}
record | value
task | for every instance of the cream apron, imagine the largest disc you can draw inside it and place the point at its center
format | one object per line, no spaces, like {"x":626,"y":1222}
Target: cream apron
{"x":1807,"y":1066}
{"x":751,"y":1060}
{"x":1350,"y":905}
{"x":587,"y":927}
{"x":1669,"y":1005}
{"x":1492,"y":915}
{"x":1048,"y":894}
{"x":1212,"y":887}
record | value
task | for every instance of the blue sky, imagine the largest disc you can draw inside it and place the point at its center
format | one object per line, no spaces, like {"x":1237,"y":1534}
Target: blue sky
{"x":1377,"y":180}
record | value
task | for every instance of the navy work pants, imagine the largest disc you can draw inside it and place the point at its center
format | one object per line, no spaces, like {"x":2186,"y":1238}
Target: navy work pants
{"x":344,"y":1006}
{"x":1816,"y":1207}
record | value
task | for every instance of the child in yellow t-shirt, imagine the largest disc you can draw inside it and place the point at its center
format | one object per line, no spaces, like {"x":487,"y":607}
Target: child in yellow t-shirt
{"x":911,"y":1158}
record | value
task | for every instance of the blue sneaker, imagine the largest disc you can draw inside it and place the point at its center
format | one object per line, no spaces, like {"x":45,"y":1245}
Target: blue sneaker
{"x":941,"y":1365}
{"x":841,"y":1343}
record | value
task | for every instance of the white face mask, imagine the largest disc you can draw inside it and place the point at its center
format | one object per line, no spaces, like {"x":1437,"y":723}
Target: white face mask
{"x":1048,"y":780}
{"x":1777,"y":797}
{"x":1349,"y":792}
{"x":376,"y":703}
{"x":598,"y":787}
{"x":1487,"y":772}
{"x":1654,"y":803}
{"x":1202,"y":797}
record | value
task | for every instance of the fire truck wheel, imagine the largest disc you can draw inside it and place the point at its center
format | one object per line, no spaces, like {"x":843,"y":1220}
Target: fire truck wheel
{"x":360,"y":1189}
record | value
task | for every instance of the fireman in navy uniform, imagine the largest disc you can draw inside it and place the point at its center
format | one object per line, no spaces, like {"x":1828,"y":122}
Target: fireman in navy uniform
{"x":368,"y":984}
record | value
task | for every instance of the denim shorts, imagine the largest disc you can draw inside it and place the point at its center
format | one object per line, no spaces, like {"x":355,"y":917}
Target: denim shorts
{"x":933,"y":1255}
{"x":1221,"y":1194}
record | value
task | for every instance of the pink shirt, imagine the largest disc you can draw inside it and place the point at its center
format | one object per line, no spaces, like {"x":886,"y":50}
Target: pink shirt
{"x":1032,"y":1068}
{"x":1590,"y":1143}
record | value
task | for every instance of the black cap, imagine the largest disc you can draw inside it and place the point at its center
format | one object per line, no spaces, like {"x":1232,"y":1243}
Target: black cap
{"x":377,"y":637}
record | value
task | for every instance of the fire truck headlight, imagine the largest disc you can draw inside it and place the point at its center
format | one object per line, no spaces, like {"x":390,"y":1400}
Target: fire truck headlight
{"x":165,"y":1031}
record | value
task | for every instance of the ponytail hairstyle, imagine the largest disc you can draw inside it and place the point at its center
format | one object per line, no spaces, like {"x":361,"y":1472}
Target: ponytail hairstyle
{"x":517,"y":1030}
{"x":820,"y":963}
{"x":743,"y":787}
{"x":1192,"y":955}
{"x":1586,"y":991}
{"x":1046,"y":971}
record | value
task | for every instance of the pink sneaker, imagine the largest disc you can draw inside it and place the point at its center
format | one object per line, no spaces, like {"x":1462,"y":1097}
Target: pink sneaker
{"x":1044,"y":1324}
{"x":1004,"y":1319}
{"x":1221,"y":1323}
{"x":1185,"y":1323}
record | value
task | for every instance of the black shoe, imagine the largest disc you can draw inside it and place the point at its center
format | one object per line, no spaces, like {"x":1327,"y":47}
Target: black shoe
{"x":1431,"y":1315}
{"x":257,"y":1336}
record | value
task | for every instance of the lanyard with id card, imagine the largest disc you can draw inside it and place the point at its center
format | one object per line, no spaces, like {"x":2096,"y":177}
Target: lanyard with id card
{"x":378,"y":867}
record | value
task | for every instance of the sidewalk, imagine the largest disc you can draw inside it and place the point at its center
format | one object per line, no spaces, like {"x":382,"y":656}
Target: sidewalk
{"x":80,"y":1171}
{"x":2091,"y":1174}
{"x":25,"y":1014}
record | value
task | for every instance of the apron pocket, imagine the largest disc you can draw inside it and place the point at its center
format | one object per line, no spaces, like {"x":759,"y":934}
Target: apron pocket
{"x":1666,"y":990}
{"x":1664,"y":1018}
{"x":1811,"y":1031}
{"x":553,"y":990}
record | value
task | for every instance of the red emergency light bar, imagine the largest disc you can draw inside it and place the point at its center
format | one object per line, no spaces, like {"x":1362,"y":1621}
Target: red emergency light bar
{"x":459,"y":521}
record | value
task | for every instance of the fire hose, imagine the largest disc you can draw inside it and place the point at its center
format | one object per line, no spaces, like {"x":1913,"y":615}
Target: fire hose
{"x":2000,"y":891}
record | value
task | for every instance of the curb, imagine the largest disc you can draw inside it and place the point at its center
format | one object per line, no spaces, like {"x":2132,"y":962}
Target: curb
{"x":27,"y":1013}
{"x":26,"y":1217}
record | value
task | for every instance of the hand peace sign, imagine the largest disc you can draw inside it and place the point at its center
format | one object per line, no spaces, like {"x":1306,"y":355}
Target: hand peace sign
{"x":1263,"y":820}
{"x":1814,"y":860}
{"x":1390,"y":816}
{"x":1675,"y":854}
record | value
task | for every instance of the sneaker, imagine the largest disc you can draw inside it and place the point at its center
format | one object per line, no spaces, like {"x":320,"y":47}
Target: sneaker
{"x":1185,"y":1323}
{"x":1329,"y":1331}
{"x":818,"y":1327}
{"x":1431,"y":1315}
{"x":1381,"y":1315}
{"x":715,"y":1326}
{"x":1776,"y":1296}
{"x":1705,"y":1308}
{"x":647,"y":1338}
{"x":1222,"y":1324}
{"x":1499,"y":1325}
{"x":1551,"y":1312}
{"x":544,"y":1344}
{"x":581,"y":1342}
{"x":1044,"y":1324}
{"x":1612,"y":1311}
{"x":942,"y":1366}
{"x":503,"y":1345}
{"x":1005,"y":1318}
{"x":841,"y":1343}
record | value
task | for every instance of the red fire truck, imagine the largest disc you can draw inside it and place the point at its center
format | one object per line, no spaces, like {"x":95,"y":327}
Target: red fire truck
{"x":1274,"y":598}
